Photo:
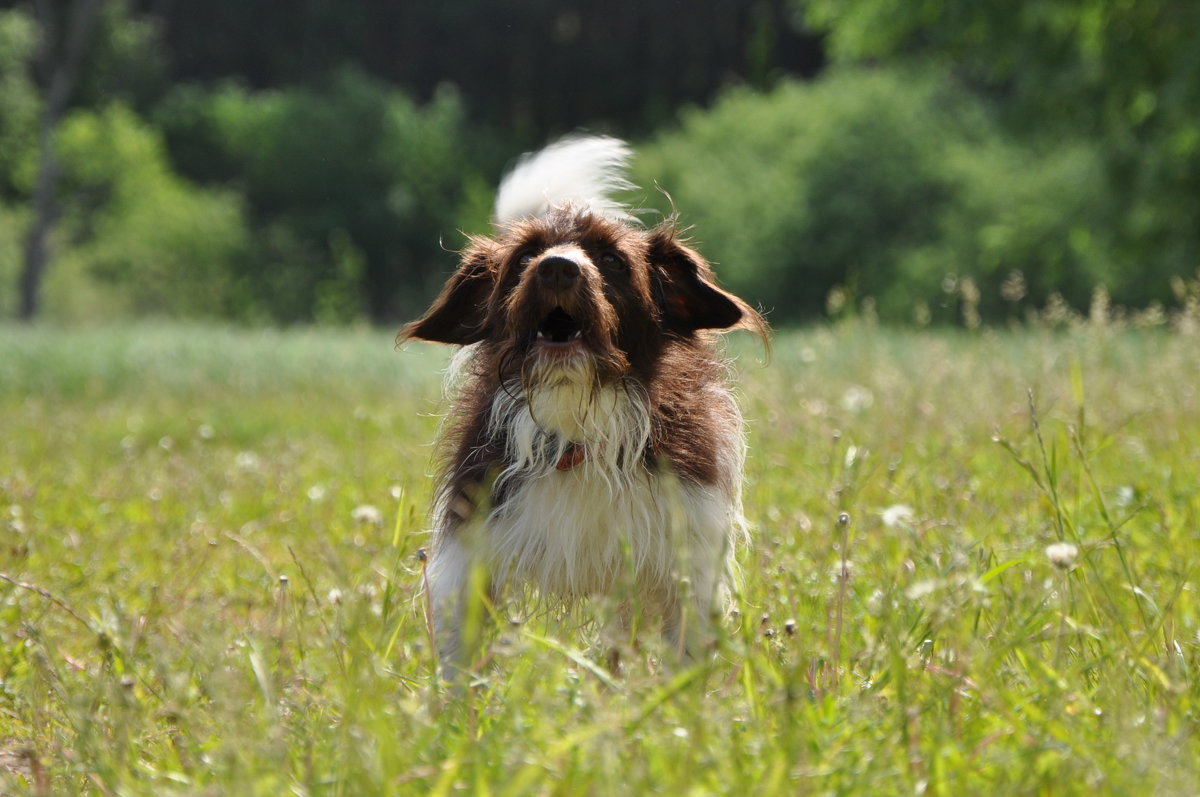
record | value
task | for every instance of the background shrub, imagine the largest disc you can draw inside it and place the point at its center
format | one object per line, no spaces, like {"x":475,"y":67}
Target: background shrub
{"x":349,"y":183}
{"x":137,"y":238}
{"x":888,"y":184}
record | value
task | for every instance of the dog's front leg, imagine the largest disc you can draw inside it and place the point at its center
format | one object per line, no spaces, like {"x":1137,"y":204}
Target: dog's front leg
{"x":687,"y":608}
{"x":687,"y":626}
{"x":454,"y":591}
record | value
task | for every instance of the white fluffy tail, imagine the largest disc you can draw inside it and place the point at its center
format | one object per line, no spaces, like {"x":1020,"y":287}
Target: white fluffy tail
{"x":583,"y":171}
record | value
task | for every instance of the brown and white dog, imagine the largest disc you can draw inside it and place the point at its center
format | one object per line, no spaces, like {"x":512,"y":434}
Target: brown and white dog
{"x":593,"y":440}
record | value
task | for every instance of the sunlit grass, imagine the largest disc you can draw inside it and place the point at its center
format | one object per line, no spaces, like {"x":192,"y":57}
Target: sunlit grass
{"x":197,"y":602}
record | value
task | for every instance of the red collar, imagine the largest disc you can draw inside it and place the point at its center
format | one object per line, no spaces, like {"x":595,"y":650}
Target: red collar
{"x":573,"y":457}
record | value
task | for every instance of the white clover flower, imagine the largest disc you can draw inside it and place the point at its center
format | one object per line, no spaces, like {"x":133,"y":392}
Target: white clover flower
{"x":857,"y":398}
{"x":246,"y":460}
{"x":1062,"y":555}
{"x":367,"y":515}
{"x":876,"y":603}
{"x":897,"y":514}
{"x":921,"y":588}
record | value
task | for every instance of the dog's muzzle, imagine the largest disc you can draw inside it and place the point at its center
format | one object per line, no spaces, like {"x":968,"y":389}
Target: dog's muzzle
{"x":558,"y":278}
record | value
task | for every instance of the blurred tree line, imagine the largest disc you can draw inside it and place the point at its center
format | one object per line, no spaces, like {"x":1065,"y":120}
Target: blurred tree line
{"x":268,"y":161}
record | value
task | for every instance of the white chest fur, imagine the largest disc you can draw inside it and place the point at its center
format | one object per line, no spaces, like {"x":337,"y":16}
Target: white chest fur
{"x":578,"y":531}
{"x":569,"y":534}
{"x":580,"y":526}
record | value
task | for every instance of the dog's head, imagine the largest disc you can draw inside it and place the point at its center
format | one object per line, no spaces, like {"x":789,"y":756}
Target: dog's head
{"x":573,"y":288}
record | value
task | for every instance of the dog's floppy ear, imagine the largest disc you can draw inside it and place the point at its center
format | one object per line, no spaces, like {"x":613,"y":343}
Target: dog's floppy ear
{"x":686,"y":292}
{"x":459,"y":313}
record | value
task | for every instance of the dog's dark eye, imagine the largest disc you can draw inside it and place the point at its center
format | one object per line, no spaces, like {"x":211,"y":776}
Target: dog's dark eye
{"x":612,"y":261}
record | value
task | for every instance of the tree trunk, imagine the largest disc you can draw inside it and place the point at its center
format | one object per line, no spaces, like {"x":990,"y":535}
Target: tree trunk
{"x":61,"y":72}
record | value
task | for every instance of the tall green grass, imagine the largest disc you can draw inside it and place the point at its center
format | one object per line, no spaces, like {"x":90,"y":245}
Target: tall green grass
{"x":211,"y":582}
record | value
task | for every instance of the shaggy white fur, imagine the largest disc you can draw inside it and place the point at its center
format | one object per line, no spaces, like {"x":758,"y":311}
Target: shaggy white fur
{"x":582,"y":531}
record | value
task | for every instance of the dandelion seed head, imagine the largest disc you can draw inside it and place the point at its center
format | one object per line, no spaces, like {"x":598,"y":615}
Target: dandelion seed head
{"x":367,"y":515}
{"x":246,"y":460}
{"x":897,"y":514}
{"x":857,"y":399}
{"x":876,"y":603}
{"x":921,"y":589}
{"x":1062,"y":555}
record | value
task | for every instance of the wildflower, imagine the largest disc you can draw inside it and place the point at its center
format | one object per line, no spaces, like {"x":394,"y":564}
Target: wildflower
{"x":921,"y":588}
{"x":1062,"y":555}
{"x":367,"y":515}
{"x":246,"y":460}
{"x":856,"y":399}
{"x":897,"y":514}
{"x":876,"y":603}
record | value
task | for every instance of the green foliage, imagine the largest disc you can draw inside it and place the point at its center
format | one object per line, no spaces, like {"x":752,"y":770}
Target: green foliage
{"x":1084,"y":62}
{"x":1023,"y":225}
{"x":193,"y":605}
{"x":19,"y":102}
{"x":995,"y":158}
{"x":347,"y":169}
{"x":126,"y":60}
{"x":1125,"y":76}
{"x":884,"y":182}
{"x":12,"y":230}
{"x":139,"y":238}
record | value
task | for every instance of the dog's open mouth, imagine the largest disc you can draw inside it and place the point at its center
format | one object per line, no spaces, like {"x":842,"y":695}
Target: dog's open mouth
{"x":558,"y":328}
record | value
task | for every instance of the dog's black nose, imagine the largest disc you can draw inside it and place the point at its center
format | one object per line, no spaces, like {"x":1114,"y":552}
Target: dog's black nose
{"x":558,"y":272}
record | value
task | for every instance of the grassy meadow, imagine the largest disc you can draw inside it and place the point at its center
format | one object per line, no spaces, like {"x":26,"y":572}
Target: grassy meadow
{"x":210,"y":582}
